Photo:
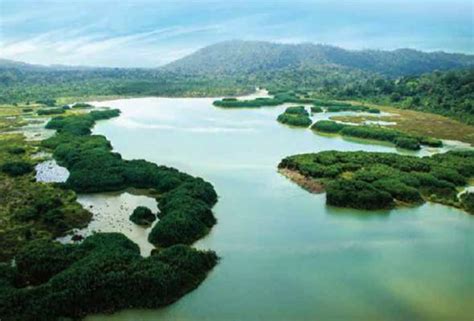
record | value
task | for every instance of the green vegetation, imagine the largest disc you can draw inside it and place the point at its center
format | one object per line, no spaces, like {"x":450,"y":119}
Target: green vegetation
{"x":48,"y":102}
{"x":467,"y":201}
{"x":280,"y":97}
{"x":316,"y":109}
{"x":51,"y":111}
{"x":82,"y":105}
{"x":104,"y":273}
{"x":23,"y":86}
{"x":142,"y":216}
{"x":31,"y":210}
{"x":396,"y":137}
{"x":447,"y":93}
{"x":295,"y":116}
{"x":185,"y":214}
{"x":16,"y":168}
{"x":94,"y":167}
{"x":327,"y":126}
{"x":379,"y":180}
{"x":337,"y":106}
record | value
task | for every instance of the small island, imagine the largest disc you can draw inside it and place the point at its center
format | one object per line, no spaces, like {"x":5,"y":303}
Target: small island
{"x":295,"y":116}
{"x":279,"y":98}
{"x":142,"y":216}
{"x":400,"y":139}
{"x":370,"y":180}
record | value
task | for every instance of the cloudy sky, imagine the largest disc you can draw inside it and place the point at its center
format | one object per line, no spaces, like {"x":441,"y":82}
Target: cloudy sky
{"x":146,"y":33}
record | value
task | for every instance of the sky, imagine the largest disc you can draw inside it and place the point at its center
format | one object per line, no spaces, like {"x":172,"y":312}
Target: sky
{"x":146,"y":33}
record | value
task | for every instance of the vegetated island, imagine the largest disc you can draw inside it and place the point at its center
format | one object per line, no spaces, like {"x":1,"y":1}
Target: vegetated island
{"x":295,"y":116}
{"x":279,"y":98}
{"x":370,"y":180}
{"x":142,"y":216}
{"x":105,"y":272}
{"x":337,"y":106}
{"x":400,"y":139}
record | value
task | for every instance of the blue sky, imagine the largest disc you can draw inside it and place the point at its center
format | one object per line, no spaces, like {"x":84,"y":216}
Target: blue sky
{"x":146,"y":33}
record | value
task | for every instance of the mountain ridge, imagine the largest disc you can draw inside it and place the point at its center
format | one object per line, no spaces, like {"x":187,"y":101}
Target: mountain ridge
{"x":240,"y":57}
{"x":236,"y":57}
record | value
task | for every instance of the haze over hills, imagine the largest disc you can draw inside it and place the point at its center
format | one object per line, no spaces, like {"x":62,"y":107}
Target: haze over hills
{"x":237,"y":58}
{"x":243,"y":57}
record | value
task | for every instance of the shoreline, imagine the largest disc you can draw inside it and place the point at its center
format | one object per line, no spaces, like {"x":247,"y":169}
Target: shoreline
{"x":310,"y":184}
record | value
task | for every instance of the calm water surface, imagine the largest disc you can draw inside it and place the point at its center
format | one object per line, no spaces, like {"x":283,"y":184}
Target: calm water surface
{"x":285,"y":254}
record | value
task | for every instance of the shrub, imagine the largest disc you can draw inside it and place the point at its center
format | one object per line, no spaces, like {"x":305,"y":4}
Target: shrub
{"x":467,"y":201}
{"x":50,"y":111}
{"x":17,"y":168}
{"x":48,"y":102}
{"x":294,"y":119}
{"x":316,"y":109}
{"x":16,"y":150}
{"x":142,"y":216}
{"x":82,"y":105}
{"x":357,"y":194}
{"x":297,"y":110}
{"x":327,"y":126}
{"x":407,"y":143}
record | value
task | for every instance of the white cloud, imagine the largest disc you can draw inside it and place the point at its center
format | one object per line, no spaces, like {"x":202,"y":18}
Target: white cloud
{"x":80,"y":47}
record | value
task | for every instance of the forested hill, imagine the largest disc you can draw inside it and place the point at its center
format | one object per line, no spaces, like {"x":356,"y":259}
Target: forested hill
{"x":253,"y":57}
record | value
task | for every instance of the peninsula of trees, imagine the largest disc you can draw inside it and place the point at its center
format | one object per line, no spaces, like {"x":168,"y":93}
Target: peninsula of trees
{"x":369,"y":180}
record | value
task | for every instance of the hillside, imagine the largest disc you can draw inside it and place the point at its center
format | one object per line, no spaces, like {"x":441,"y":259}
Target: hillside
{"x":253,"y":57}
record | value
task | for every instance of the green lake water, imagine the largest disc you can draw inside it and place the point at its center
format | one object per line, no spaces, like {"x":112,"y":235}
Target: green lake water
{"x":285,"y":254}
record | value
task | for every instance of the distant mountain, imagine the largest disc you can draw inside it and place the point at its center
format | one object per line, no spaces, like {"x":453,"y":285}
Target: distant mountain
{"x":252,"y":57}
{"x":6,"y":63}
{"x":14,"y":64}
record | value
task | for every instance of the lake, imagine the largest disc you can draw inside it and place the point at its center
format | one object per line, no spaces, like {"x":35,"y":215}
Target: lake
{"x":285,"y":255}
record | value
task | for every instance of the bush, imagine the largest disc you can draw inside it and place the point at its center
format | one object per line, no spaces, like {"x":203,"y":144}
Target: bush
{"x":327,"y":126}
{"x":279,"y":99}
{"x":17,"y":168}
{"x":407,"y":143}
{"x":316,"y":109}
{"x":467,"y":201}
{"x":295,"y":119}
{"x":82,"y":105}
{"x":297,"y":110}
{"x":48,"y":102}
{"x":357,"y":194}
{"x":50,"y":111}
{"x":142,"y":216}
{"x":372,"y":132}
{"x":16,"y":150}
